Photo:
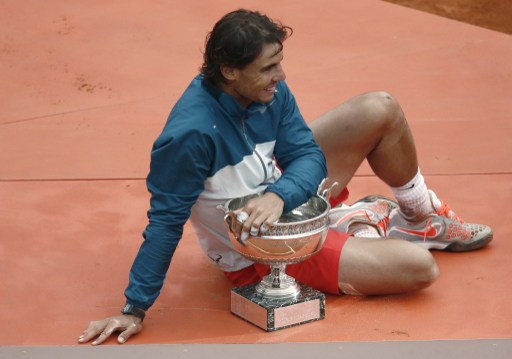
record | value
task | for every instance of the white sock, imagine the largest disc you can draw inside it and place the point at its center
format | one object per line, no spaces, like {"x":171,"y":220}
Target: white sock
{"x":413,"y":198}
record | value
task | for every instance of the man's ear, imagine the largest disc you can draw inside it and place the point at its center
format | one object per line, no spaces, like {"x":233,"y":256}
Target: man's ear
{"x":228,"y":72}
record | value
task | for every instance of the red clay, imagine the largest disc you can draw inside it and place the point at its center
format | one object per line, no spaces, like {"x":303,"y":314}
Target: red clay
{"x":87,"y":87}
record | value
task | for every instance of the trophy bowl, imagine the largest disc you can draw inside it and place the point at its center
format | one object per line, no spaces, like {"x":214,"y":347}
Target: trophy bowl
{"x":295,"y":237}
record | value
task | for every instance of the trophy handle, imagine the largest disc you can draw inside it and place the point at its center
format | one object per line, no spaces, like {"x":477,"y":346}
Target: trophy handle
{"x":233,"y":225}
{"x":222,"y":208}
{"x":326,"y":192}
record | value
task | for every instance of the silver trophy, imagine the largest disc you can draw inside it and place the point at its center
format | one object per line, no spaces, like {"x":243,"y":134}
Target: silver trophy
{"x":279,"y":301}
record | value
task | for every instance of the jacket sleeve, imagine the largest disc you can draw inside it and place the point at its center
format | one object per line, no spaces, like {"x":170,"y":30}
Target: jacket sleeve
{"x":179,"y":166}
{"x":297,"y":154}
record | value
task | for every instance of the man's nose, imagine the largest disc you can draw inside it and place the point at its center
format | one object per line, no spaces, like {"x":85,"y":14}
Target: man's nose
{"x":279,"y":75}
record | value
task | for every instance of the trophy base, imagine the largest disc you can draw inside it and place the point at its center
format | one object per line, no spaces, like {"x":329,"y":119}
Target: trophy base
{"x":271,"y":314}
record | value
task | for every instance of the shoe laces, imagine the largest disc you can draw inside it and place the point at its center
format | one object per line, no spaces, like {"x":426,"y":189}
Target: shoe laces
{"x":382,"y":224}
{"x":445,"y":211}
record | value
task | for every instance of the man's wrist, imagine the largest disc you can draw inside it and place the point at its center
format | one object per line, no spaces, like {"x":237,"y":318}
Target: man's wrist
{"x":133,"y":310}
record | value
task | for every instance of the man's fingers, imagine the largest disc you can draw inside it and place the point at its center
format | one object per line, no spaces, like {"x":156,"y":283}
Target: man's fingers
{"x":258,"y":223}
{"x":94,"y":328}
{"x":131,"y":330}
{"x":251,"y":225}
{"x":242,"y":216}
{"x":101,"y":338}
{"x":259,"y":214}
{"x":254,"y":230}
{"x":259,"y":226}
{"x":112,"y":326}
{"x":103,"y":329}
{"x":271,"y":220}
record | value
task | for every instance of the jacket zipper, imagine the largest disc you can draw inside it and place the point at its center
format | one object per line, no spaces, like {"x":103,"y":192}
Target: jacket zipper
{"x":254,"y":150}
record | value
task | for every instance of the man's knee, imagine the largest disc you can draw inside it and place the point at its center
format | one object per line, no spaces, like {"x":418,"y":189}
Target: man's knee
{"x":383,"y":107}
{"x":423,"y":269}
{"x":390,"y":266}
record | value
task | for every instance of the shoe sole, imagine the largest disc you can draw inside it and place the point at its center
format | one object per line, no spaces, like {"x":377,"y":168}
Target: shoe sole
{"x":455,"y":246}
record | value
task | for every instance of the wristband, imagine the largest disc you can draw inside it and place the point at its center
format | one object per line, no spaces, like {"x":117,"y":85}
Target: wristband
{"x":133,"y":310}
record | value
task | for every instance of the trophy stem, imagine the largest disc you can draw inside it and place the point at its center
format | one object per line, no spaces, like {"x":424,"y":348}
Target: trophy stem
{"x":278,"y":284}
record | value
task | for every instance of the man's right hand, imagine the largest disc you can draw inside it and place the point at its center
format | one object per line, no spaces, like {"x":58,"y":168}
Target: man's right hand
{"x":260,"y":214}
{"x":128,"y":325}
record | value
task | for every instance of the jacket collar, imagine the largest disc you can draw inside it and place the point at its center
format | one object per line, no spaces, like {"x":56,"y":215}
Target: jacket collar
{"x":230,"y":104}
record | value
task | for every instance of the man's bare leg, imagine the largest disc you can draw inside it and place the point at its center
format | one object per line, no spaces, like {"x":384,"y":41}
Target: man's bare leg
{"x":384,"y":266}
{"x":371,"y":126}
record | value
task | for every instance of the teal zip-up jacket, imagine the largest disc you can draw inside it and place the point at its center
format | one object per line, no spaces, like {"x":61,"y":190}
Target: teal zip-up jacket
{"x":211,"y":150}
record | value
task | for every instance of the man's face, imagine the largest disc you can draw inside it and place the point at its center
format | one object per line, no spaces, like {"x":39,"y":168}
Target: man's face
{"x":257,"y":81}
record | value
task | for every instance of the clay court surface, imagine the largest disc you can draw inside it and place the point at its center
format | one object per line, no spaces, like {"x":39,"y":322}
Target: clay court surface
{"x":86,"y":88}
